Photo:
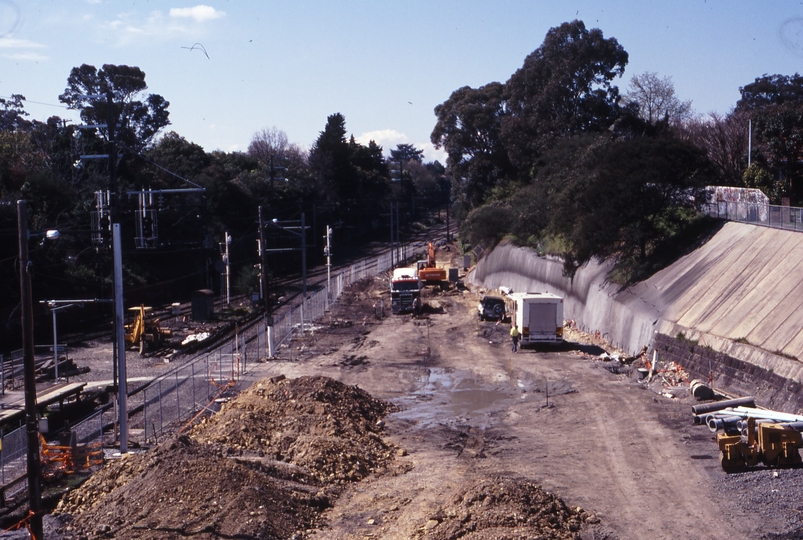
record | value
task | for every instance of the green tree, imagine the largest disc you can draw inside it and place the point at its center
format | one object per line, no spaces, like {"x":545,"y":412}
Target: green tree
{"x":329,"y":159}
{"x":564,"y":87}
{"x":759,"y":178}
{"x":775,"y":104}
{"x":407,"y":152}
{"x":769,"y":90}
{"x":12,"y":113}
{"x":137,"y":120}
{"x":355,"y":178}
{"x":469,"y":128}
{"x":642,"y":194}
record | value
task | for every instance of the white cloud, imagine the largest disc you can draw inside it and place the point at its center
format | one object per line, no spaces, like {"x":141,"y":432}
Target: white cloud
{"x":386,"y":138}
{"x":199,"y":13}
{"x":433,"y":154}
{"x":29,"y":56}
{"x":11,"y":43}
{"x":17,"y":49}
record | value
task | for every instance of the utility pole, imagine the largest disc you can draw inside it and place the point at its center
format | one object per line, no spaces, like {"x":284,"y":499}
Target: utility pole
{"x":122,"y":391}
{"x":392,"y":251}
{"x":118,"y":335}
{"x":303,"y":257}
{"x":328,"y":252}
{"x":225,"y":249}
{"x":263,"y":261}
{"x":31,"y":422}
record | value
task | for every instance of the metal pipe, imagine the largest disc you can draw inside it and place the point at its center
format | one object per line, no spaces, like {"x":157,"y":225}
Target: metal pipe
{"x":719,"y":405}
{"x":723,"y":423}
{"x":747,"y":412}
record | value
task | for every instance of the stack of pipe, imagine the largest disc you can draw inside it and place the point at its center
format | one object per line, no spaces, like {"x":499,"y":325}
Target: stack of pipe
{"x":731,"y":416}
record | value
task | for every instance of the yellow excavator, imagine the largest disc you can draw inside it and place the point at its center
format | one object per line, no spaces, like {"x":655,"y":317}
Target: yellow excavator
{"x":143,"y":330}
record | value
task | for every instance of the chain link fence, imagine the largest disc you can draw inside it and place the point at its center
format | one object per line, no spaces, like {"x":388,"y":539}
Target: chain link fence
{"x":14,"y":449}
{"x":180,"y":395}
{"x":768,"y":215}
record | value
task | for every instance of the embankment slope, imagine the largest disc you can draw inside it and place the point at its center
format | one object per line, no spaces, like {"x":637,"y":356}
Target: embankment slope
{"x":733,"y":307}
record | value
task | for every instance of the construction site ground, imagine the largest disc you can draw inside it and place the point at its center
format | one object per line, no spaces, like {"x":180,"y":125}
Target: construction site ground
{"x":438,"y":431}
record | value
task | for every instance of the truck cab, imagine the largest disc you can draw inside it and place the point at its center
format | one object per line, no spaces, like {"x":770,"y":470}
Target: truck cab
{"x":405,"y":291}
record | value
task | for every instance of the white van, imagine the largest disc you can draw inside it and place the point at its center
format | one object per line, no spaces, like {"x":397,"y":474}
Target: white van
{"x":538,"y":316}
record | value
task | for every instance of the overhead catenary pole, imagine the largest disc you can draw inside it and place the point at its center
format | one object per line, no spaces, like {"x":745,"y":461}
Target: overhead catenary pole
{"x":263,"y":280}
{"x":303,"y":257}
{"x":31,"y":421}
{"x":120,"y":329}
{"x":328,"y":253}
{"x":392,"y":262}
{"x":228,"y":267}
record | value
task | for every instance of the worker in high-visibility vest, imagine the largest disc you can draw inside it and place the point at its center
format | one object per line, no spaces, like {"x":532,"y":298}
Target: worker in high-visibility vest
{"x":514,"y":336}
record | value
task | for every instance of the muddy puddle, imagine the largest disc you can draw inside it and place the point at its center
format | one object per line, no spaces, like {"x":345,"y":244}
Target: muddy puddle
{"x":441,"y":393}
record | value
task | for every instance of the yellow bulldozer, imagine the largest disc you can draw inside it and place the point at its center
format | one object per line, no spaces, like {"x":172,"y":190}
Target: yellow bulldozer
{"x":144,"y":332}
{"x":773,"y":444}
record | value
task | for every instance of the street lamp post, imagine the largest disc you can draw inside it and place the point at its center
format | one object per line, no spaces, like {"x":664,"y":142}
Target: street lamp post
{"x":58,"y":305}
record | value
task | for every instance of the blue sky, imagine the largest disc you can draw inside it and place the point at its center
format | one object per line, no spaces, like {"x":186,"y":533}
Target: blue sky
{"x":384,"y":65}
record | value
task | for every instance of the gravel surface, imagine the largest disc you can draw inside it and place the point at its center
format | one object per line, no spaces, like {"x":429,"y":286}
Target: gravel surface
{"x":770,"y":495}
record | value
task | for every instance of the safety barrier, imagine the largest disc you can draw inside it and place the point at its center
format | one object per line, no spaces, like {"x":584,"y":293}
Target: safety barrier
{"x":768,"y":215}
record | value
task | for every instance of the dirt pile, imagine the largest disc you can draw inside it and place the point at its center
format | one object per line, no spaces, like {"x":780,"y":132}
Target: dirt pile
{"x":265,"y":466}
{"x":506,"y":508}
{"x":318,"y":424}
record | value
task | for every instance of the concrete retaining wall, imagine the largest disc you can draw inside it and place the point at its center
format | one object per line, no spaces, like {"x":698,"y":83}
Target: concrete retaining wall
{"x":739,"y":297}
{"x":589,"y":300}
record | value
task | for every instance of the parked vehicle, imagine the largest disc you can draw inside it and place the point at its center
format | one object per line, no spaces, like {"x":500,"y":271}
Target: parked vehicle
{"x":538,"y":316}
{"x":770,"y":443}
{"x":405,"y":291}
{"x":492,"y":308}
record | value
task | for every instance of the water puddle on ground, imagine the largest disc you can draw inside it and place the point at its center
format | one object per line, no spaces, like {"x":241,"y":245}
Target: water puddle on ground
{"x":443,"y":392}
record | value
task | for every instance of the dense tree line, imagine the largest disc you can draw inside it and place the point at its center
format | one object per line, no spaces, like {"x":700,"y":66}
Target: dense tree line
{"x":175,"y":201}
{"x":557,"y":159}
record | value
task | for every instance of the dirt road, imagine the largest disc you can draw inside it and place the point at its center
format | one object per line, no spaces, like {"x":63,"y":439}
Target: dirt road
{"x":472,"y":411}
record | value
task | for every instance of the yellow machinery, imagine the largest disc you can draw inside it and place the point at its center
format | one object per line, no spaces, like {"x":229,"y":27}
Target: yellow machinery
{"x":770,"y":444}
{"x":429,"y":273}
{"x":143,"y":330}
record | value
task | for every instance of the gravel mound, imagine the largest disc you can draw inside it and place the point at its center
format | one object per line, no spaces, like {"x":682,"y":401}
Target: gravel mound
{"x":506,"y":508}
{"x":265,"y":466}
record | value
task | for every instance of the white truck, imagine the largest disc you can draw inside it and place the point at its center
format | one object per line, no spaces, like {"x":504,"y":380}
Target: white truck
{"x":405,"y":290}
{"x":538,"y":316}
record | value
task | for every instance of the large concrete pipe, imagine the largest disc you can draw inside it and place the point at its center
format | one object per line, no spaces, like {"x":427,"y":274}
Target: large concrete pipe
{"x":719,"y":405}
{"x":724,"y":423}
